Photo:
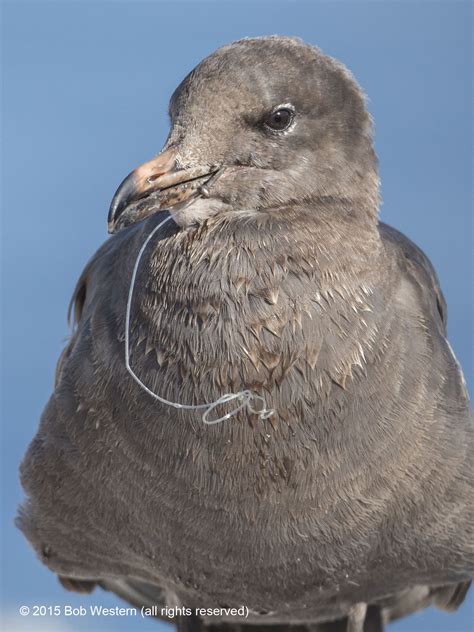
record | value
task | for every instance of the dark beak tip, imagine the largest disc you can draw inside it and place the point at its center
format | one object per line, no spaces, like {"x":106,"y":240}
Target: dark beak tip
{"x":116,"y":218}
{"x":115,"y":210}
{"x":124,"y":195}
{"x":138,"y":184}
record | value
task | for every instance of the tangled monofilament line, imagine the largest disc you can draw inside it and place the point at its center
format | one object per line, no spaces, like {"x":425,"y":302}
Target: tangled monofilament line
{"x":246,"y":395}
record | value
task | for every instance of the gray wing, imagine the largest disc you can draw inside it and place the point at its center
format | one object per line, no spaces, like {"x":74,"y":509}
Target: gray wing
{"x":133,"y":591}
{"x":416,"y":267}
{"x":75,"y":424}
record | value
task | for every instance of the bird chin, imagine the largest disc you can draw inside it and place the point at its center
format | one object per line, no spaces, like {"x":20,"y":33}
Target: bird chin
{"x":196,"y":210}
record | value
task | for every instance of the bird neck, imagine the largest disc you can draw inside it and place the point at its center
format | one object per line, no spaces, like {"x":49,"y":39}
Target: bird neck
{"x":257,"y":301}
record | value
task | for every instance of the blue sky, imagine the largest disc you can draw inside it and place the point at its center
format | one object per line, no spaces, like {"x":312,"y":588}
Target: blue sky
{"x":85,"y":90}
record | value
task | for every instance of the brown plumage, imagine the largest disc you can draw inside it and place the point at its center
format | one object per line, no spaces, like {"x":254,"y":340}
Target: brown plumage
{"x":347,"y":508}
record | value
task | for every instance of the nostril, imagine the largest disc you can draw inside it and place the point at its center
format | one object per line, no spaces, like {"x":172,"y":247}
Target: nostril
{"x":154,"y":177}
{"x":157,"y":174}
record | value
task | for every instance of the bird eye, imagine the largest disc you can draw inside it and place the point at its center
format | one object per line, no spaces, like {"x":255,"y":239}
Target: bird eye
{"x":280,"y":119}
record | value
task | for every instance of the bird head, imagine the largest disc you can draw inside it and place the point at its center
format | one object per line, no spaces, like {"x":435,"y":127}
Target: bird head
{"x":259,"y":125}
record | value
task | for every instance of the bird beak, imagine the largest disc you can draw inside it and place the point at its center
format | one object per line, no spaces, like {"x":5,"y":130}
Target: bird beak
{"x":160,"y":176}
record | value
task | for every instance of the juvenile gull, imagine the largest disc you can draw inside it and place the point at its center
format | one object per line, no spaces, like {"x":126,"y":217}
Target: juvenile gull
{"x":351,"y":505}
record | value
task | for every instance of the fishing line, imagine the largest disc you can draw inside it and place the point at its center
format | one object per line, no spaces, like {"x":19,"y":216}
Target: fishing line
{"x":245,"y":395}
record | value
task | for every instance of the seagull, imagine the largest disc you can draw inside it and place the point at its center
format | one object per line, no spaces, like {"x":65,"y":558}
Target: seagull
{"x":249,"y":282}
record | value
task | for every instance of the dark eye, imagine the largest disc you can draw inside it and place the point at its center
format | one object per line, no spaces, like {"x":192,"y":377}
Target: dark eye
{"x":280,"y":119}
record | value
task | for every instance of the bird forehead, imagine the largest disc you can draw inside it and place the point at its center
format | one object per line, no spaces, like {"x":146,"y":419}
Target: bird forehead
{"x":251,"y":71}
